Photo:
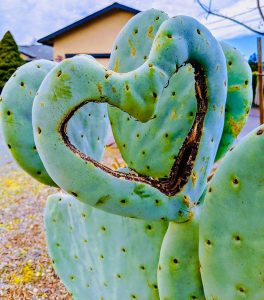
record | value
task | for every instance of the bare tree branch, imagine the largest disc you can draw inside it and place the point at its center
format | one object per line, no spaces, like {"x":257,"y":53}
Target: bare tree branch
{"x":260,"y":10}
{"x":208,"y":10}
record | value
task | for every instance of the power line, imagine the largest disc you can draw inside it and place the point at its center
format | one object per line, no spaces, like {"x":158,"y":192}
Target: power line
{"x":237,"y":15}
{"x":231,"y":25}
{"x":207,"y":10}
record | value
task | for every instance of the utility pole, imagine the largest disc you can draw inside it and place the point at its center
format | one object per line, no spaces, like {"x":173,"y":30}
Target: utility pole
{"x":260,"y":82}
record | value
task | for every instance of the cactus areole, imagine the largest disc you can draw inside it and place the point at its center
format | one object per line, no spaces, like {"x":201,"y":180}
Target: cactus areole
{"x":184,"y":161}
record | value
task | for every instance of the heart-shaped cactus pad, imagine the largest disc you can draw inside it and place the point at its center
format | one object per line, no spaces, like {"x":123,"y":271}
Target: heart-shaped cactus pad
{"x":173,"y":86}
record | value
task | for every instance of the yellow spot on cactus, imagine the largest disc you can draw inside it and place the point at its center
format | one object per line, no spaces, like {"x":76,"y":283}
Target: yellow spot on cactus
{"x":150,"y":32}
{"x":158,"y":46}
{"x":116,"y":67}
{"x":173,"y":114}
{"x":194,"y":177}
{"x":132,"y":48}
{"x":222,"y":109}
{"x":100,"y":88}
{"x":191,"y":215}
{"x":113,"y":89}
{"x":236,"y":126}
{"x":233,"y":88}
{"x":186,"y":200}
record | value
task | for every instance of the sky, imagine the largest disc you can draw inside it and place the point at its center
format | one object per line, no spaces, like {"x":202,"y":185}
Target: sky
{"x":29,"y":20}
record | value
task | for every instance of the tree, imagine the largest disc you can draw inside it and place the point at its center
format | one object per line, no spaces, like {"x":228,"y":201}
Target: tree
{"x":209,"y":10}
{"x":10,"y":58}
{"x":253,"y":62}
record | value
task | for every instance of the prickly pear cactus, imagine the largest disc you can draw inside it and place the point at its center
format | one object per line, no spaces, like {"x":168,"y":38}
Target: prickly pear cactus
{"x":102,"y":256}
{"x":231,"y":225}
{"x":87,"y":129}
{"x":161,"y":85}
{"x":179,"y":268}
{"x":78,"y":81}
{"x":239,"y":97}
{"x":16,"y":110}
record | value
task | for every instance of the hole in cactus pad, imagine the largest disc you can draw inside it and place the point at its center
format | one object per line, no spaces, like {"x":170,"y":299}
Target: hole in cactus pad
{"x":184,"y":162}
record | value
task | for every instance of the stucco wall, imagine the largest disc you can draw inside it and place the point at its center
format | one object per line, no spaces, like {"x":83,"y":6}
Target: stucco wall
{"x":96,"y":36}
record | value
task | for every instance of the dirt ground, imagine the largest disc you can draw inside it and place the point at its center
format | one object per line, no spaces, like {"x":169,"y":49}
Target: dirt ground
{"x":25,"y":268}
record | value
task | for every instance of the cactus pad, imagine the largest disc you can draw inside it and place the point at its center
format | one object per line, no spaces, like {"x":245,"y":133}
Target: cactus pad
{"x":239,"y":97}
{"x":179,"y":268}
{"x":102,"y":256}
{"x":16,"y":108}
{"x":232,"y":226}
{"x":77,"y":81}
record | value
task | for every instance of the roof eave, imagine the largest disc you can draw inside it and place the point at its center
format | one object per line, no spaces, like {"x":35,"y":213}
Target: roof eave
{"x":49,"y":39}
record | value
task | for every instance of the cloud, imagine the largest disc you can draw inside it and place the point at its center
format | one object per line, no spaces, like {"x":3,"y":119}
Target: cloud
{"x":33,"y":19}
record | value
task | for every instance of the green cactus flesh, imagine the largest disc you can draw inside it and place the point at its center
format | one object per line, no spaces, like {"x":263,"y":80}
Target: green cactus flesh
{"x":77,"y":81}
{"x":179,"y":268}
{"x":102,"y":256}
{"x":239,"y":97}
{"x":151,"y":148}
{"x":16,"y":109}
{"x":87,"y":129}
{"x":231,"y":227}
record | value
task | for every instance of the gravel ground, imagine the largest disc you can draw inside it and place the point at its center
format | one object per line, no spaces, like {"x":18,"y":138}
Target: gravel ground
{"x":25,"y":267}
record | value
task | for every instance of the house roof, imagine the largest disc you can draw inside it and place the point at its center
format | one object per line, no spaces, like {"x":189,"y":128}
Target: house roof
{"x":37,"y":51}
{"x":48,"y":40}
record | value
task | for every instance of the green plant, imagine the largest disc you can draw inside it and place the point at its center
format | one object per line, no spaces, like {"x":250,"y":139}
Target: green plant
{"x":78,"y":81}
{"x":10,"y":58}
{"x":169,"y":84}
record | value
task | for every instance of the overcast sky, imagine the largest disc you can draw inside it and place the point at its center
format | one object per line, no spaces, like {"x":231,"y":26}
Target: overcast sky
{"x":29,"y":20}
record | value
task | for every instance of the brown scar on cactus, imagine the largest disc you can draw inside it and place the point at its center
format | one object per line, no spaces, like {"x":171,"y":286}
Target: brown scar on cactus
{"x":184,"y":161}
